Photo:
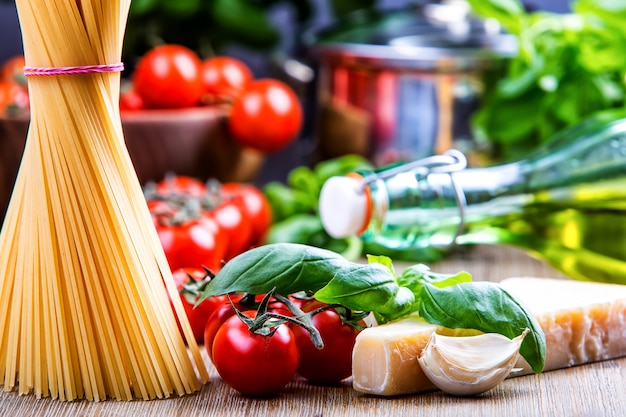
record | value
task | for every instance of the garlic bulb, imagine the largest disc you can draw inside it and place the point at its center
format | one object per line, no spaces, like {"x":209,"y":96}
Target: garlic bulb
{"x":469,"y":365}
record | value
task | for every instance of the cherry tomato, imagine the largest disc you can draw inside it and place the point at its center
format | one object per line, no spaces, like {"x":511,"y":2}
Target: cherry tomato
{"x":232,"y":218}
{"x":169,"y":76}
{"x":219,"y":317}
{"x":131,"y":101}
{"x":181,"y":185}
{"x":224,"y":78}
{"x":189,"y":281}
{"x":194,"y":243}
{"x":13,"y":70}
{"x":198,"y":316}
{"x":254,"y":364}
{"x":161,"y":211}
{"x":256,"y":206}
{"x":184,"y":276}
{"x":332,"y":363}
{"x":266,"y":117}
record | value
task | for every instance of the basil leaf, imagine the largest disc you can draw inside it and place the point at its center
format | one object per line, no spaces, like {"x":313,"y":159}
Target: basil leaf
{"x":286,"y":267}
{"x":341,"y":166}
{"x":141,"y":7}
{"x":508,"y":12}
{"x":416,"y":275}
{"x":521,"y":81}
{"x":299,"y":228}
{"x":286,"y":202}
{"x":370,"y":287}
{"x":383,"y":260}
{"x":245,"y":21}
{"x":487,"y":307}
{"x":307,"y":229}
{"x":303,"y":178}
{"x":611,"y":12}
{"x":423,"y":254}
{"x":181,"y":8}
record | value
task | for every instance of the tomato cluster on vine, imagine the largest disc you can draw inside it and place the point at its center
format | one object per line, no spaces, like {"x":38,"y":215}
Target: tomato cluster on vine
{"x":204,"y":225}
{"x":259,"y":345}
{"x":201,"y":226}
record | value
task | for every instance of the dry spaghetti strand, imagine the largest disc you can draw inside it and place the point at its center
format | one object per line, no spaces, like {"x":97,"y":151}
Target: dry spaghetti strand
{"x":84,"y":312}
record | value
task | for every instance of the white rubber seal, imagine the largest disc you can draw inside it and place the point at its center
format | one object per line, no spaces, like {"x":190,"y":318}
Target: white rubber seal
{"x":342,"y":206}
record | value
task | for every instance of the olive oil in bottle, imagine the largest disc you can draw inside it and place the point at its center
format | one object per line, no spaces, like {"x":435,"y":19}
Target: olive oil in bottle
{"x":566,"y":203}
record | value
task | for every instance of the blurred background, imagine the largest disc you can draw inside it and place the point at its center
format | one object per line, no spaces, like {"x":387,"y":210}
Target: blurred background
{"x":387,"y":80}
{"x":282,"y":14}
{"x":270,"y":36}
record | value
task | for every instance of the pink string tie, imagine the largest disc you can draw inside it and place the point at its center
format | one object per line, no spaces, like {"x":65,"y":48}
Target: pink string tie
{"x":82,"y":69}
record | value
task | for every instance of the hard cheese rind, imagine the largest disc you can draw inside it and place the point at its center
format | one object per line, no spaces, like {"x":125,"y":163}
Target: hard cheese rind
{"x":584,"y":322}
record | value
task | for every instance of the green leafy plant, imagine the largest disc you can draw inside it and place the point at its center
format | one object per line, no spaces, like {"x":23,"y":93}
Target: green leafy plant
{"x":453,"y":301}
{"x":206,"y":26}
{"x":209,"y":26}
{"x":569,"y":66}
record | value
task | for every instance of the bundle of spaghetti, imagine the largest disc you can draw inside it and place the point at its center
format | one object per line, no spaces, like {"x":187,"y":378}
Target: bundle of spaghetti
{"x":84,"y":312}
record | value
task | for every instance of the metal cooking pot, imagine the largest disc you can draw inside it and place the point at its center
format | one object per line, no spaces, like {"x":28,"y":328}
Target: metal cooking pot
{"x":398,"y":86}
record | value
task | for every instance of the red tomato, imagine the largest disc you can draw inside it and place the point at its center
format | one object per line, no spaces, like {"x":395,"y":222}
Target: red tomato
{"x":232,"y":218}
{"x":266,"y":117}
{"x":169,"y":76}
{"x":131,"y":101}
{"x":219,"y":317}
{"x":224,"y":78}
{"x":185,"y":276}
{"x":181,"y":185}
{"x":194,"y":243}
{"x":333,"y":363}
{"x":257,"y":208}
{"x":189,"y":281}
{"x":13,"y":70}
{"x":253,"y":364}
{"x":161,"y":211}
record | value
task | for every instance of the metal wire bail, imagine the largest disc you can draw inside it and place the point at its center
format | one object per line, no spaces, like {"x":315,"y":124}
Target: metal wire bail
{"x":449,"y":162}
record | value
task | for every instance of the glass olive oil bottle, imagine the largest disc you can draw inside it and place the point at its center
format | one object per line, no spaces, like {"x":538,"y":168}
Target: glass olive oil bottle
{"x":565,"y":203}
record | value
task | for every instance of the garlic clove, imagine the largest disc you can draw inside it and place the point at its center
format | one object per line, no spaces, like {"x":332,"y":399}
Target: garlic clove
{"x":469,"y":365}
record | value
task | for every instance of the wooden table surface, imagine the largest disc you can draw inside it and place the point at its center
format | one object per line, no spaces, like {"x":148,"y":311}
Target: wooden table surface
{"x":592,"y":390}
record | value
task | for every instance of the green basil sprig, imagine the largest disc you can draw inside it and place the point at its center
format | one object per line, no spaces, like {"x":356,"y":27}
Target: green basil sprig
{"x":569,"y":67}
{"x":453,"y":301}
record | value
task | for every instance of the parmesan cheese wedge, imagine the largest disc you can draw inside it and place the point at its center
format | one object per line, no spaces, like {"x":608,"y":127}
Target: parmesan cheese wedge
{"x":583,"y":322}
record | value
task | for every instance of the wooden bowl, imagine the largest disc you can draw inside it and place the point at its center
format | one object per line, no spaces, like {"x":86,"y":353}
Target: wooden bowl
{"x":192,"y":142}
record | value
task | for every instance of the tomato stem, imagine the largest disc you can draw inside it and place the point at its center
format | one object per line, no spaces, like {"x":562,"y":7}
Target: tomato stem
{"x":266,"y":321}
{"x":352,"y":318}
{"x":302,"y":319}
